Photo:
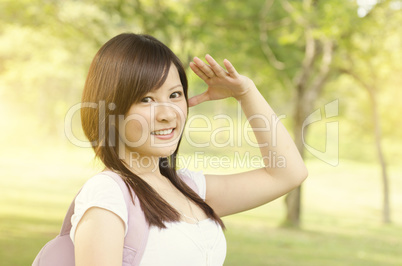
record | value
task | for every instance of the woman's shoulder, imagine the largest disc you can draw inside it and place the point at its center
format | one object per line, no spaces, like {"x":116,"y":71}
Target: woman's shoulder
{"x":102,"y":190}
{"x":99,"y":191}
{"x":99,"y":182}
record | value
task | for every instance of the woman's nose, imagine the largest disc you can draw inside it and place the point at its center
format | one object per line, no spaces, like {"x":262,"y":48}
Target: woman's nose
{"x":165,"y":112}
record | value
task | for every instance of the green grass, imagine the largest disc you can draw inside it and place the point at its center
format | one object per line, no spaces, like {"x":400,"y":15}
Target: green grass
{"x":341,"y":213}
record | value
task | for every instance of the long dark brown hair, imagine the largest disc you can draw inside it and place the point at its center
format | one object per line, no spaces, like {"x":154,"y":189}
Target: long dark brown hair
{"x":125,"y":69}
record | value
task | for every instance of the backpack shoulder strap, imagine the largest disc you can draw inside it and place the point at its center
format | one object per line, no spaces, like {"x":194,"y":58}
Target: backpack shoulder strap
{"x":66,"y":227}
{"x":138,"y":229}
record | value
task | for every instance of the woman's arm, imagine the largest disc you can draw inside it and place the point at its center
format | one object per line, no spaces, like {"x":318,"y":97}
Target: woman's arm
{"x":228,"y":194}
{"x":99,"y":239}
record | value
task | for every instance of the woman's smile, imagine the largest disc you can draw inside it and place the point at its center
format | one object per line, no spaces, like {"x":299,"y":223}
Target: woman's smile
{"x":164,"y":133}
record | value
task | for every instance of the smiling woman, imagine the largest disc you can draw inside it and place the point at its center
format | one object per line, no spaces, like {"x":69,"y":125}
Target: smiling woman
{"x":150,"y":97}
{"x":137,"y":140}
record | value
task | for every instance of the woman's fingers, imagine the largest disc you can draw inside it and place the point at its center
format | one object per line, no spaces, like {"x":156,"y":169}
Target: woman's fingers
{"x":198,"y":71}
{"x":222,"y":82}
{"x":230,"y":68}
{"x":213,"y":69}
{"x":218,"y":70}
{"x":204,"y":67}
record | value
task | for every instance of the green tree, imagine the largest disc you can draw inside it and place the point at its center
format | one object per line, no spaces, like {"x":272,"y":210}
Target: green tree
{"x":300,"y":42}
{"x":371,"y":57}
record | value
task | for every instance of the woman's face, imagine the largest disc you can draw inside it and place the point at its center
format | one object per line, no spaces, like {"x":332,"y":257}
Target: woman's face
{"x":153,"y":126}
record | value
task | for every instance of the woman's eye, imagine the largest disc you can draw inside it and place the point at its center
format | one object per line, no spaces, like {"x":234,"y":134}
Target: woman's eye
{"x":176,"y":94}
{"x":146,"y":100}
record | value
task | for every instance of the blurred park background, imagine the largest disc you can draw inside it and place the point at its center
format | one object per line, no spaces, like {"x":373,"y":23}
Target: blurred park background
{"x":333,"y":68}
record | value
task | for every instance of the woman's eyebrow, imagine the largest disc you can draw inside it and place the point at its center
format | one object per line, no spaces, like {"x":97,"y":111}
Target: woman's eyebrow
{"x":174,"y":87}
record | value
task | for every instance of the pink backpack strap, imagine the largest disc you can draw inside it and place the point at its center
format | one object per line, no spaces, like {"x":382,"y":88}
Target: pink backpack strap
{"x":66,"y":227}
{"x":138,"y":229}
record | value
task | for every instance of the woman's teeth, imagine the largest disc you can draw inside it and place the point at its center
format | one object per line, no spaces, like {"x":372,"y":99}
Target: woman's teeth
{"x":162,"y":132}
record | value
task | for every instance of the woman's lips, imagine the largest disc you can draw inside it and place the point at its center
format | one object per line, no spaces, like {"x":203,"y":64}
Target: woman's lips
{"x":168,"y":136}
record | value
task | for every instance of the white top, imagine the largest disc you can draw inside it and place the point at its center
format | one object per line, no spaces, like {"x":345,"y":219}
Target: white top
{"x":103,"y":192}
{"x":180,"y":243}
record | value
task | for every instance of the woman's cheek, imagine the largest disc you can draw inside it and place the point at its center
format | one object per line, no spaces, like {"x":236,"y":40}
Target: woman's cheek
{"x":136,"y":129}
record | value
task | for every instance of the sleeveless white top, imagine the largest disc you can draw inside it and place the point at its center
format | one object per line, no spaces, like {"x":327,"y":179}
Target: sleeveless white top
{"x":180,"y":243}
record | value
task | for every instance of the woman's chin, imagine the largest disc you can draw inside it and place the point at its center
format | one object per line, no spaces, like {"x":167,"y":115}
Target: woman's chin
{"x":161,"y":152}
{"x":166,"y":153}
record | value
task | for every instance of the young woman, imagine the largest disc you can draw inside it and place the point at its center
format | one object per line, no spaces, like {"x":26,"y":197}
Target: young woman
{"x":134,"y":110}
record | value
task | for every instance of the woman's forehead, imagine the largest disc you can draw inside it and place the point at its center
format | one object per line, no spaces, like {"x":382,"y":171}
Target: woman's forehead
{"x":172,"y":78}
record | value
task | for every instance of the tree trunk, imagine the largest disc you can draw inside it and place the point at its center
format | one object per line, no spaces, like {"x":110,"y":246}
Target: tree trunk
{"x":308,"y":82}
{"x":293,"y":205}
{"x":293,"y":198}
{"x":386,"y":213}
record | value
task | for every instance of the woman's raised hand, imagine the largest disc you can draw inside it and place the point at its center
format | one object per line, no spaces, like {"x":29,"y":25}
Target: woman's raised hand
{"x":221,"y":83}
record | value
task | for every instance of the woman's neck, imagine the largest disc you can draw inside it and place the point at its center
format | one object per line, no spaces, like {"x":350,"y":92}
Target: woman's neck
{"x":142,"y":165}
